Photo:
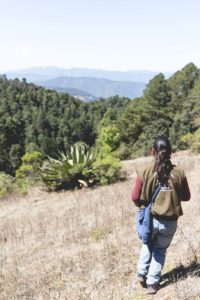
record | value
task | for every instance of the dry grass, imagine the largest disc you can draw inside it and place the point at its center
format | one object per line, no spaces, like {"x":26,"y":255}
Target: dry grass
{"x":83,"y":245}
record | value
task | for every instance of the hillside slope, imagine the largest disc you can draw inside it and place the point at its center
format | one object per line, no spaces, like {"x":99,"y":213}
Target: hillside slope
{"x":83,"y":245}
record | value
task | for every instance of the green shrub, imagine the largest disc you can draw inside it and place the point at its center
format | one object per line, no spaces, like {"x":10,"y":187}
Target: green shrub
{"x":108,"y":139}
{"x":24,"y":171}
{"x":70,"y":170}
{"x":30,"y":163}
{"x":81,"y":166}
{"x":6,"y":184}
{"x":196,"y":141}
{"x":187,"y":140}
{"x":27,"y":174}
{"x":106,"y":169}
{"x":32,"y":158}
{"x":192,"y":140}
{"x":22,"y":185}
{"x":123,"y":152}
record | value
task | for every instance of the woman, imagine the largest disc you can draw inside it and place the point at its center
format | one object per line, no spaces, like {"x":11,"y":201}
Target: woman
{"x":165,"y":210}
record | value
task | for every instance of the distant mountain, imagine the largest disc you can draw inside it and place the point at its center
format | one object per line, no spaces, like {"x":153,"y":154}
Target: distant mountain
{"x":96,"y":82}
{"x":98,"y":87}
{"x":82,"y":95}
{"x":46,"y":73}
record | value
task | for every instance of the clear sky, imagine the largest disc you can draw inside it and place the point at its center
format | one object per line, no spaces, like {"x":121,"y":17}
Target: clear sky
{"x":122,"y":35}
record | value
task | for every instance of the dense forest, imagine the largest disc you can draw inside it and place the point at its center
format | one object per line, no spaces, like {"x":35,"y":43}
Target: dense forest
{"x":35,"y":118}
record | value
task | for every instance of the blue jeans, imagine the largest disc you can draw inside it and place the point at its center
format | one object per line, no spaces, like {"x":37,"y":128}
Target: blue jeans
{"x":152,"y":258}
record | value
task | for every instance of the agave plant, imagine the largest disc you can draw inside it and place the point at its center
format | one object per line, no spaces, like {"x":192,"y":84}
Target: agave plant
{"x":70,"y":170}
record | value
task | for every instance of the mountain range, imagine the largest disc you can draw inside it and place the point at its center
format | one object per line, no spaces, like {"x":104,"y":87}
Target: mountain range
{"x":97,"y":87}
{"x":88,"y":84}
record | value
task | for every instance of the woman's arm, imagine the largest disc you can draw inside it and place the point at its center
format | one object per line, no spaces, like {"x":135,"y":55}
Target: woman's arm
{"x":185,"y":191}
{"x":136,"y":191}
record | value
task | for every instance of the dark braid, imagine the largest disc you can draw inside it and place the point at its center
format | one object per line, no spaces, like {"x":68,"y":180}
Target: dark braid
{"x":163,"y":165}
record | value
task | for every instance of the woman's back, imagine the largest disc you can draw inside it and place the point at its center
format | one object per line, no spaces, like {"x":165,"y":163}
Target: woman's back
{"x":167,"y":204}
{"x":165,"y":209}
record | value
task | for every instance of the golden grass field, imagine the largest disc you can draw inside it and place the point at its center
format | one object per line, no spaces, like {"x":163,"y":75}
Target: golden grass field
{"x":82,"y":245}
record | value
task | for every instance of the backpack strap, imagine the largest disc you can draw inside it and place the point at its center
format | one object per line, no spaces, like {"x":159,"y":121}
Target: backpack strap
{"x":157,"y":190}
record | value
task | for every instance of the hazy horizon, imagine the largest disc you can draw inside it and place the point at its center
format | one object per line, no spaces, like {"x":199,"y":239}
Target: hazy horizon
{"x":86,"y":68}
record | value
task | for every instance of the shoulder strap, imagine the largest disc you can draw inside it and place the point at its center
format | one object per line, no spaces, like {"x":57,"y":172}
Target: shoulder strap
{"x":155,"y":193}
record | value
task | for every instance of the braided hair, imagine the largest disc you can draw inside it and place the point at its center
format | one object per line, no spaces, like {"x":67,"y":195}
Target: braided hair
{"x":163,"y":165}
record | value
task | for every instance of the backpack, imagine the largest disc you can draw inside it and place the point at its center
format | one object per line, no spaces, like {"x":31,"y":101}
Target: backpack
{"x":144,"y":220}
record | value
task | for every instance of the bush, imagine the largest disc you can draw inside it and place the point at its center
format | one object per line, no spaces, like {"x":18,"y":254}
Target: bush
{"x":106,"y":169}
{"x":30,"y":163}
{"x":6,"y":184}
{"x":81,"y":166}
{"x":27,"y":174}
{"x":192,"y":140}
{"x":187,"y":140}
{"x":70,"y":170}
{"x":196,"y":141}
{"x":123,"y":152}
{"x":108,"y":139}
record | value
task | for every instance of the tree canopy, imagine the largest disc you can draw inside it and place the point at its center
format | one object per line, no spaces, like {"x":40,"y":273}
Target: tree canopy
{"x":33,"y":118}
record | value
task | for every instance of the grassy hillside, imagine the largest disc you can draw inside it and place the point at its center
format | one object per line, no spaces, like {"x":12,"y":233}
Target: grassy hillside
{"x":83,"y":245}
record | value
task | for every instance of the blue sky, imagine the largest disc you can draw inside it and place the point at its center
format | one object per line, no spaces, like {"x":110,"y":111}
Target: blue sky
{"x":106,"y":34}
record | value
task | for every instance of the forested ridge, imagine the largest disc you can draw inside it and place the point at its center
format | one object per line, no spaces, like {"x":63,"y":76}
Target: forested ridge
{"x":35,"y":118}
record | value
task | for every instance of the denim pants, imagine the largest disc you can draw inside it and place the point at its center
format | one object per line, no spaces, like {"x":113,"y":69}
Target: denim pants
{"x":152,"y":258}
